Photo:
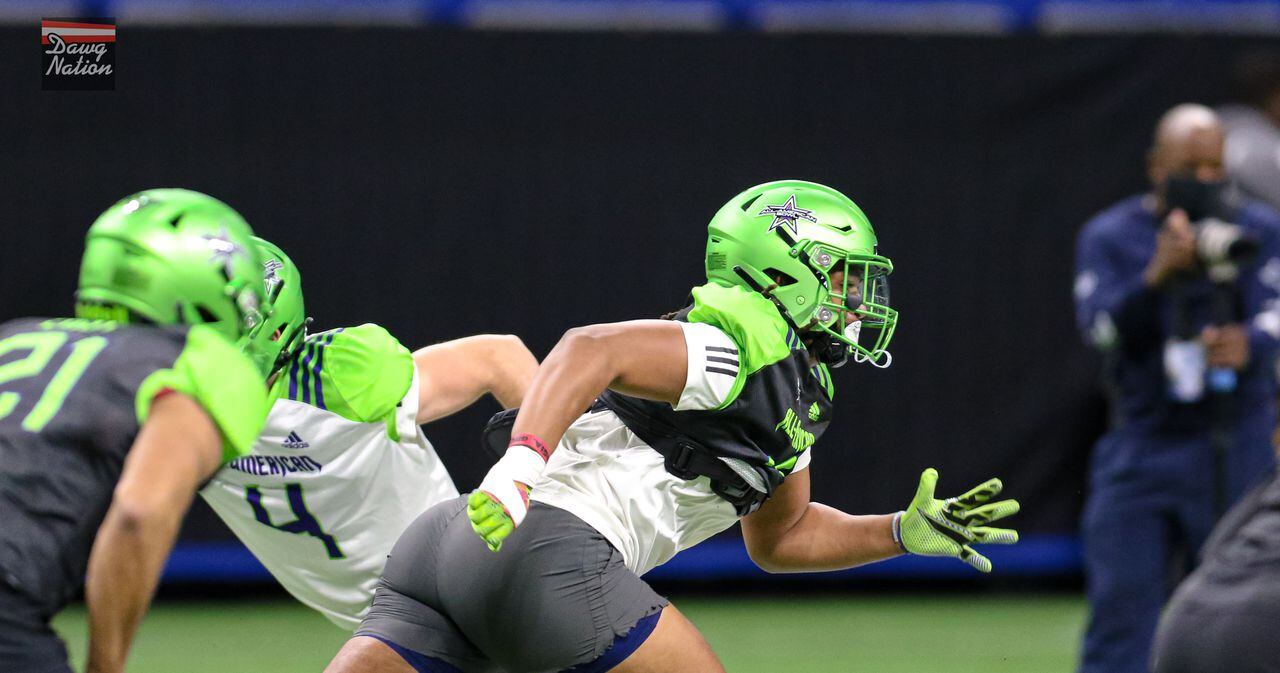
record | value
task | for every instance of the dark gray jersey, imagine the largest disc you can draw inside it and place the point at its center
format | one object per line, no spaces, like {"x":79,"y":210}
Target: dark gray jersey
{"x":72,"y":396}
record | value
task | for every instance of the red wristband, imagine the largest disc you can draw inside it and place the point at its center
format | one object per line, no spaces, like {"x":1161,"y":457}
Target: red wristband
{"x":531,"y":442}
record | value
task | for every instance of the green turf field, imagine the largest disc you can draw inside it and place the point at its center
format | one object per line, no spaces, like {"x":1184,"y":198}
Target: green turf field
{"x":850,"y":632}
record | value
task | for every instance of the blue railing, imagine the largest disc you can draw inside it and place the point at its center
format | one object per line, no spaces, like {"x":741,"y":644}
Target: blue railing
{"x":1036,"y":556}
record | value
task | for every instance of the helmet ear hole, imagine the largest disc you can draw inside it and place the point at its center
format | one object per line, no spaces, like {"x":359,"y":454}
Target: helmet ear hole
{"x":205,"y":314}
{"x":783,"y":279}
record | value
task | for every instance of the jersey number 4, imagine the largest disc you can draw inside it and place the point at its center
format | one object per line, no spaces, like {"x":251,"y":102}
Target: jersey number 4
{"x":303,"y":523}
{"x":42,"y":347}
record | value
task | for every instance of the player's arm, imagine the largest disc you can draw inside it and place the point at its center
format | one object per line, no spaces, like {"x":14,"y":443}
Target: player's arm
{"x":641,"y":358}
{"x":454,"y":374}
{"x":790,"y":534}
{"x":177,"y":449}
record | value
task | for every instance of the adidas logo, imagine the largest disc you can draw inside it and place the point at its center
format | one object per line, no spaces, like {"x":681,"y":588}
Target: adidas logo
{"x":293,"y":441}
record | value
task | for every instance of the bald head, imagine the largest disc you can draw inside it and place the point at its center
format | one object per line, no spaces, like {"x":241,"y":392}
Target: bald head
{"x":1182,"y":123}
{"x":1188,"y":140}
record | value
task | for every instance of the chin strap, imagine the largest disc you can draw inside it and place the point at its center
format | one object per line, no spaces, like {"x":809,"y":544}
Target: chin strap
{"x":292,"y":348}
{"x":878,"y":363}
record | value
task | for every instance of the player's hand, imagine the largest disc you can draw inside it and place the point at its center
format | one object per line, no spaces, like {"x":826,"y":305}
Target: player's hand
{"x":502,"y":500}
{"x":489,"y":518}
{"x":932,"y":527}
{"x":1175,"y":249}
{"x":1226,"y":346}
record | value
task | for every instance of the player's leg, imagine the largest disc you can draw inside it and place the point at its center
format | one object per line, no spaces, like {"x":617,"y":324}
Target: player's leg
{"x":674,"y":646}
{"x":405,"y":630}
{"x":364,"y":654}
{"x":1126,"y":528}
{"x":558,"y":597}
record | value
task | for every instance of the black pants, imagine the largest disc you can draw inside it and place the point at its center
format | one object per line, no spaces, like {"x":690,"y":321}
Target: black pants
{"x":27,"y":643}
{"x":1225,"y":618}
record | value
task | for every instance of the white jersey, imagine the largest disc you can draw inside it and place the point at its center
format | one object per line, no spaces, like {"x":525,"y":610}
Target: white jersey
{"x":339,"y":471}
{"x":605,"y":475}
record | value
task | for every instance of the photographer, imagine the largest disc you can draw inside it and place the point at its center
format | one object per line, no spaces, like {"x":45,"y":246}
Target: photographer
{"x":1179,"y":289}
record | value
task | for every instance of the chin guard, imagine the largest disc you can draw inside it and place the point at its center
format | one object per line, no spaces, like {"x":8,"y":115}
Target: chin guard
{"x":829,"y":351}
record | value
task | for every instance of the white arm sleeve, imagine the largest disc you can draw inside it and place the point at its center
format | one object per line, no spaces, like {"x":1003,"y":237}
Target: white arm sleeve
{"x":713,"y":367}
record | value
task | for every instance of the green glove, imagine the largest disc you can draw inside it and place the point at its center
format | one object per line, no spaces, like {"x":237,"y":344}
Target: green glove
{"x":489,"y":519}
{"x":932,"y":527}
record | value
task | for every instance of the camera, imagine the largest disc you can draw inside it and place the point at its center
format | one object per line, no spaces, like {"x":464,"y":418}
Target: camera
{"x":1211,"y":207}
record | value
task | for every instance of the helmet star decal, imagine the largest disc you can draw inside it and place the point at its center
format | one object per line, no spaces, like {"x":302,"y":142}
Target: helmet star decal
{"x":224,"y":249}
{"x":787,"y":214}
{"x":272,"y":277}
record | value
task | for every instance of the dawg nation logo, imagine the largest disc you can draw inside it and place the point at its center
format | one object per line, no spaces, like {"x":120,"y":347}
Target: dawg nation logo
{"x":78,"y":54}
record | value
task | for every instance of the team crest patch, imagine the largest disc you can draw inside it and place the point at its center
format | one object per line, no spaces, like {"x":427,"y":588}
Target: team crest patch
{"x":787,"y":213}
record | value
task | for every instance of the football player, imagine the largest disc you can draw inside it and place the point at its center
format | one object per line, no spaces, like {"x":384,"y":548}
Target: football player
{"x":342,"y":466}
{"x":694,"y":423}
{"x":110,"y":421}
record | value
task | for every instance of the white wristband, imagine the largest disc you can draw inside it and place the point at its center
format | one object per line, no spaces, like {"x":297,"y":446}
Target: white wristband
{"x":519,"y":464}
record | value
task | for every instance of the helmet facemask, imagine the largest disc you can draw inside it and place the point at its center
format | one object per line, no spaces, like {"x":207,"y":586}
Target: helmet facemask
{"x":863,"y":290}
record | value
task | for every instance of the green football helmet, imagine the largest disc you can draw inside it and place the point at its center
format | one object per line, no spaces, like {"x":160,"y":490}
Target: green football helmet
{"x":286,"y":326}
{"x":784,"y":239}
{"x":169,"y":257}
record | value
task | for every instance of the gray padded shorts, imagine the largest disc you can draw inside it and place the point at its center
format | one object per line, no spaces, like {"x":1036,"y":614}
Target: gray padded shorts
{"x":557,"y":594}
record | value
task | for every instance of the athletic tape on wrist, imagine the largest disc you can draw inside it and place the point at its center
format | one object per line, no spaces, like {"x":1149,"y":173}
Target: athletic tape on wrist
{"x":533,"y":443}
{"x":508,"y":494}
{"x":519,"y":464}
{"x":897,"y":532}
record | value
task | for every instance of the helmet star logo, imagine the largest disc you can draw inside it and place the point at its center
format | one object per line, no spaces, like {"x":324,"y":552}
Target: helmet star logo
{"x":272,"y":275}
{"x":787,"y":214}
{"x":224,"y":249}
